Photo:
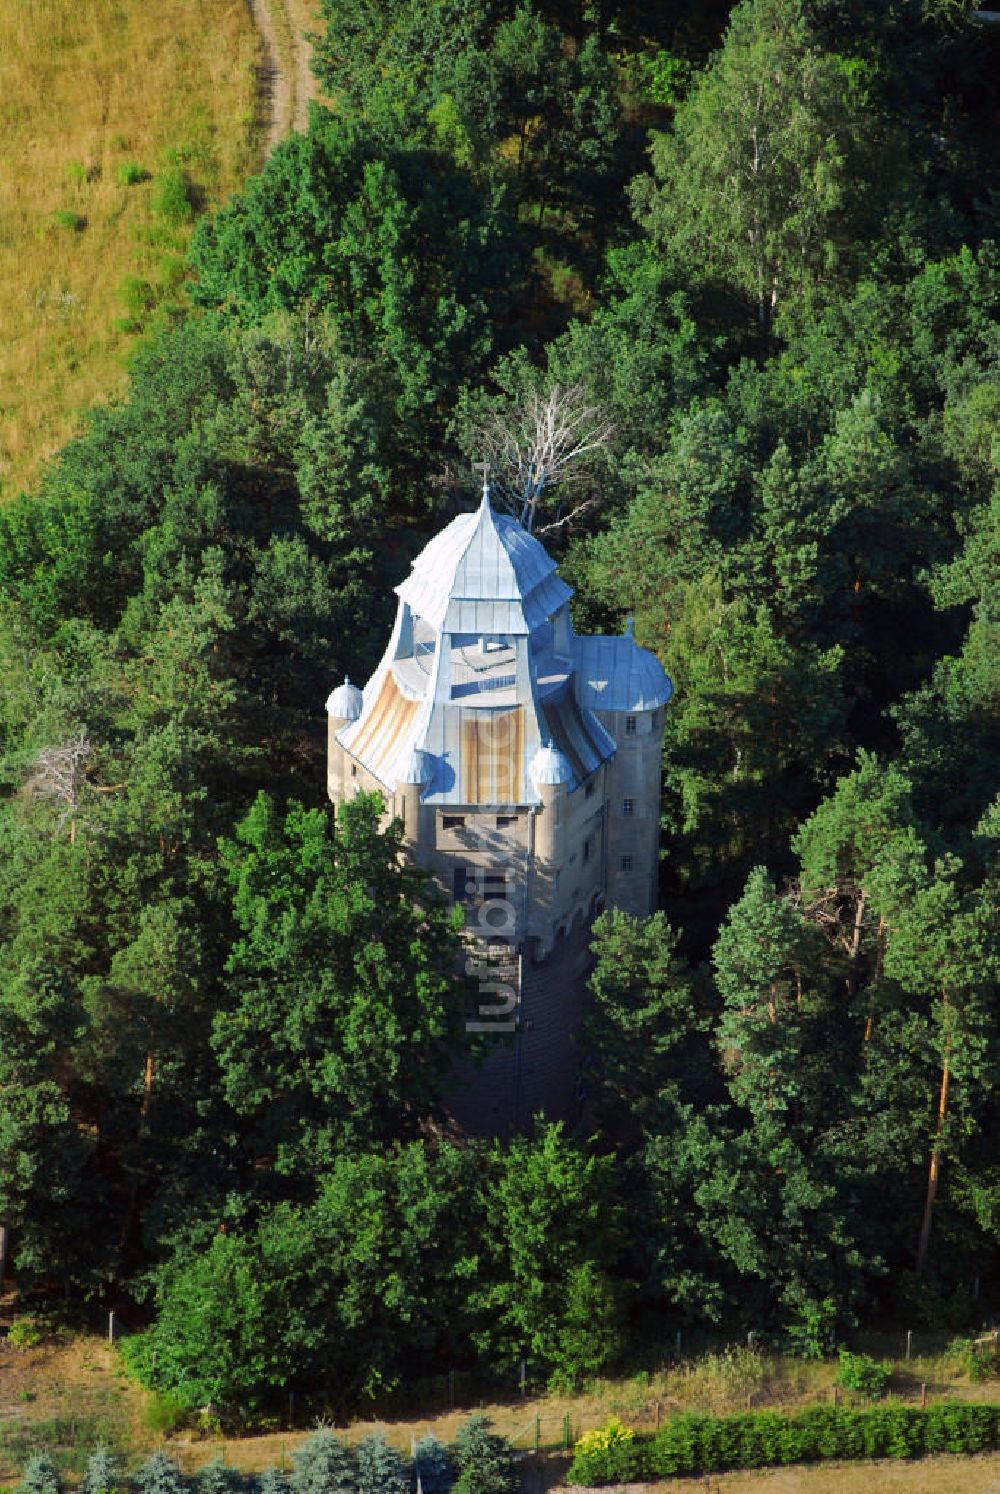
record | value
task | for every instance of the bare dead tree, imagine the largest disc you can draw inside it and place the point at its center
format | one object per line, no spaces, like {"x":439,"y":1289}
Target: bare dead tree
{"x":61,"y":774}
{"x":532,"y":447}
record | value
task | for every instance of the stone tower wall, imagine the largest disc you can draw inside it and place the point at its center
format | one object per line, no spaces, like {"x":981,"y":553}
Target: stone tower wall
{"x":634,"y":811}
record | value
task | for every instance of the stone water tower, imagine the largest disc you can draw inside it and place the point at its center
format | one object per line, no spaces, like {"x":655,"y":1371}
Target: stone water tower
{"x":524,"y":764}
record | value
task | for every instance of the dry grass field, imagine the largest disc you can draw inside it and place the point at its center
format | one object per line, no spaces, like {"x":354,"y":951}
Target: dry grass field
{"x":120,"y":121}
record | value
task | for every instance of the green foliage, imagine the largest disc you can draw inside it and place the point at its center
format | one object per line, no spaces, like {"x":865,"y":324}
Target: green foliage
{"x":217,"y":1478}
{"x":130,"y":173}
{"x":68,"y":219}
{"x":863,"y":1373}
{"x":323,"y":1465}
{"x":40,"y":1476}
{"x":342,"y":1011}
{"x":25,"y":1333}
{"x":171,"y":197}
{"x":166,"y":1410}
{"x":103,"y":1474}
{"x":381,"y":1469}
{"x":607,"y":1453}
{"x":370,"y":1256}
{"x":809,"y":1332}
{"x":553,"y":1231}
{"x":694,"y":1444}
{"x":432,"y":1463}
{"x":159,"y":1474}
{"x":272,"y":1481}
{"x":483,"y":1460}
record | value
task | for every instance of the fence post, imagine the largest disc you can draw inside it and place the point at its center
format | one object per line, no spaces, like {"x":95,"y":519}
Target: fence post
{"x":291,"y":1409}
{"x":923,"y":1397}
{"x":111,"y":1326}
{"x":524,"y":1378}
{"x":281,"y":1459}
{"x":658,"y":1410}
{"x":750,"y":1340}
{"x":909,"y":1344}
{"x":677,"y":1345}
{"x":567,"y":1439}
{"x":538,"y":1432}
{"x":836,"y":1395}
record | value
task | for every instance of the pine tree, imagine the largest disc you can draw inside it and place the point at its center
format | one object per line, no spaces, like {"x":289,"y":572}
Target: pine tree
{"x":272,"y":1481}
{"x":323,"y":1465}
{"x":217,"y":1478}
{"x":381,"y":1470}
{"x":160,"y":1475}
{"x":485,"y":1463}
{"x":433,"y":1465}
{"x":40,"y":1476}
{"x":104,"y":1473}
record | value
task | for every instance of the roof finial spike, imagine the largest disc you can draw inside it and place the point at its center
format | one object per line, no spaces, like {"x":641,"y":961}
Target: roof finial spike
{"x":486,"y":481}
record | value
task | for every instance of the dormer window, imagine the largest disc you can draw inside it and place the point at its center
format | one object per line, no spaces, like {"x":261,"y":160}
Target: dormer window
{"x":630,"y":725}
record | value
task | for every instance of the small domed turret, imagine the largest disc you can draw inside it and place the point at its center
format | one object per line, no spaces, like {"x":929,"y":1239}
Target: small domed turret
{"x":345,"y":703}
{"x":550,"y":766}
{"x":416,"y":768}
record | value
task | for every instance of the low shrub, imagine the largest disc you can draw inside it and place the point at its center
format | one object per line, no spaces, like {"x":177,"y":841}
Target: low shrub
{"x":25,"y":1333}
{"x":863,"y":1373}
{"x":696,"y":1444}
{"x":130,"y":174}
{"x":66,"y":218}
{"x":608,"y":1452}
{"x":172,"y":199}
{"x":165,"y":1411}
{"x":983,"y":1361}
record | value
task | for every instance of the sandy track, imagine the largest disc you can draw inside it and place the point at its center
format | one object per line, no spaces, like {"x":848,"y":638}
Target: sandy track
{"x":284,"y":78}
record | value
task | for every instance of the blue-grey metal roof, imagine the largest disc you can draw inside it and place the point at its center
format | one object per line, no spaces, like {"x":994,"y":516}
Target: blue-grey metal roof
{"x":615,"y":674}
{"x":476,"y":719}
{"x":484,"y":574}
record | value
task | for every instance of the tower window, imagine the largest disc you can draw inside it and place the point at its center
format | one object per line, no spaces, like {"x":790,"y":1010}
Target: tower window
{"x":625,"y":864}
{"x":504,"y":821}
{"x":354,"y":770}
{"x":586,"y":850}
{"x":628,"y":806}
{"x":630,"y":726}
{"x":453,"y":822}
{"x":591,"y":785}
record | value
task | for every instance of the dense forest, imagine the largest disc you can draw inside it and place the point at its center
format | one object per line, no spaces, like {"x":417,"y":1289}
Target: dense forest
{"x":761,"y":241}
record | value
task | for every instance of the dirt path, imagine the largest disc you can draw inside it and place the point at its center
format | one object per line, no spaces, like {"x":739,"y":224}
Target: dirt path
{"x":284,"y":78}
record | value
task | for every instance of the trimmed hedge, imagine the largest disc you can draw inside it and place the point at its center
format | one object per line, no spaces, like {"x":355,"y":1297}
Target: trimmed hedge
{"x":690,"y":1443}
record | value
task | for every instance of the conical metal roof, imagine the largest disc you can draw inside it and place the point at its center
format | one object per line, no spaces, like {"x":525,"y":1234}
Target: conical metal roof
{"x":484,"y":574}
